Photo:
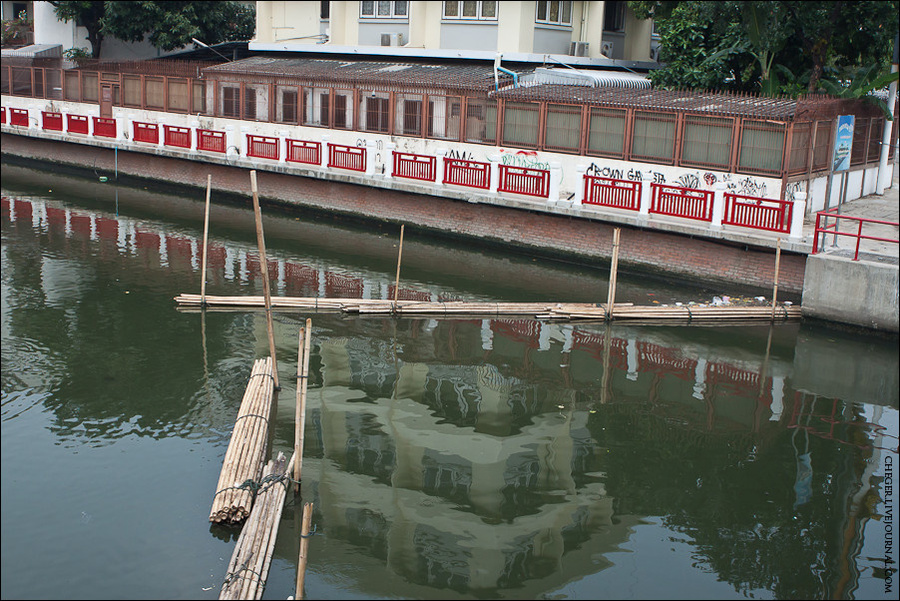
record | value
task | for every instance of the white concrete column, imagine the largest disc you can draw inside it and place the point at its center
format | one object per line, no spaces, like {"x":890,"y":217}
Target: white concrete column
{"x":242,"y":144}
{"x":370,"y":157}
{"x":799,"y":212}
{"x":195,"y":136}
{"x":555,"y":180}
{"x":232,"y":144}
{"x":578,"y":199}
{"x":718,"y":208}
{"x":495,"y":172}
{"x":441,"y":153}
{"x":646,"y":199}
{"x":325,"y":138}
{"x":282,"y":146}
{"x":389,"y":166}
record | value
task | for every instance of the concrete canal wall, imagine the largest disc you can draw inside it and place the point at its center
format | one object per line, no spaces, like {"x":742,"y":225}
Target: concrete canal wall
{"x":511,"y":225}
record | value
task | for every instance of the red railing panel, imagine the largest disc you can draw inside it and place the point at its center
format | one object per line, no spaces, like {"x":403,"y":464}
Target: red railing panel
{"x":77,"y":124}
{"x":347,"y":157}
{"x":758,"y":213}
{"x":471,"y":174}
{"x":3,"y":115}
{"x":210,"y":141}
{"x":300,"y":151}
{"x":104,"y":127}
{"x":262,"y":147}
{"x":52,"y":121}
{"x":615,"y":193}
{"x":179,"y":137}
{"x":689,"y":203}
{"x":146,"y":132}
{"x":18,"y":117}
{"x":823,"y":228}
{"x":414,"y":166}
{"x":522,"y":180}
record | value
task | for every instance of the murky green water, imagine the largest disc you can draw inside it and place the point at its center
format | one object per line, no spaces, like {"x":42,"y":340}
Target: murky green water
{"x":473,"y":458}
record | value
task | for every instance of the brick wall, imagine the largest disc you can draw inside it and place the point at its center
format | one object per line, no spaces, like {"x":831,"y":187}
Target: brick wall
{"x":688,"y":258}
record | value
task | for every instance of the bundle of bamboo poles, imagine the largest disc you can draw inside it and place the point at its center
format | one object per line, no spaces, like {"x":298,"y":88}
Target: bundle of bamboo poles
{"x":246,"y":452}
{"x":249,"y":565}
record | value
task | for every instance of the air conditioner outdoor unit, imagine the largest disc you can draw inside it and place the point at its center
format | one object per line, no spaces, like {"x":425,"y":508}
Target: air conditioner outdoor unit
{"x":578,"y":48}
{"x":391,"y":39}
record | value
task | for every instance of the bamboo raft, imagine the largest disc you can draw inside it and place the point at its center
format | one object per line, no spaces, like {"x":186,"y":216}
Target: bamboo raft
{"x":249,"y":565}
{"x":246,"y":452}
{"x":547,"y":311}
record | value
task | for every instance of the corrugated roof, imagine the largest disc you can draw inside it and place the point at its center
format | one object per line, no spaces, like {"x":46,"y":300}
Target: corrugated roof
{"x":379,"y":74}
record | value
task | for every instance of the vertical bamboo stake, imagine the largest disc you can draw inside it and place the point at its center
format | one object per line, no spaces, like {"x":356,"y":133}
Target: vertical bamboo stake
{"x":399,"y":255}
{"x":264,"y":268}
{"x":613,"y":270}
{"x":304,"y":549}
{"x":205,"y":238}
{"x":302,"y":380}
{"x":775,"y":289}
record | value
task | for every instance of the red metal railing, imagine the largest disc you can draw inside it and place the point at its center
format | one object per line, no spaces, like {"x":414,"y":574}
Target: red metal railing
{"x":262,"y":147}
{"x":3,"y":115}
{"x":210,"y":141}
{"x":18,"y":117}
{"x":300,"y":151}
{"x":522,"y":180}
{"x":347,"y":157}
{"x":414,"y":166}
{"x":681,"y":202}
{"x":146,"y":132}
{"x":104,"y":127}
{"x":759,"y":213}
{"x":77,"y":124}
{"x":471,"y":174}
{"x":52,"y":121}
{"x":615,"y":193}
{"x":179,"y":137}
{"x":824,"y":228}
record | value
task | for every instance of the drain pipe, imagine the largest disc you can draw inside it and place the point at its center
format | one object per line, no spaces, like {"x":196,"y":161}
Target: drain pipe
{"x":497,"y":67}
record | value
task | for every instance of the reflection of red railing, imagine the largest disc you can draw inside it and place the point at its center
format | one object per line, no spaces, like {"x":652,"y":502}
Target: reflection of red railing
{"x":759,"y":213}
{"x":521,"y":180}
{"x":831,"y":424}
{"x":414,"y":166}
{"x":472,"y":174}
{"x":823,"y":227}
{"x":689,"y":203}
{"x":616,"y":193}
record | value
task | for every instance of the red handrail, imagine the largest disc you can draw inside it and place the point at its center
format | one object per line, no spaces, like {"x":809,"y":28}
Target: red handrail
{"x":822,"y":227}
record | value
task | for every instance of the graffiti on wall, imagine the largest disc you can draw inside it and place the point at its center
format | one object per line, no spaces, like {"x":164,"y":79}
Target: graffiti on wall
{"x":460,"y":155}
{"x":527,"y":159}
{"x":634,"y":175}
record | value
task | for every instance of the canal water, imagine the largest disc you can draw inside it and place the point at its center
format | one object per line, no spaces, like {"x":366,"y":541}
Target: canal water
{"x":473,"y":458}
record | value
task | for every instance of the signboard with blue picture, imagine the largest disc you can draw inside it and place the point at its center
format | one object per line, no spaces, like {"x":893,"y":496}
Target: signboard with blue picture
{"x":843,"y":142}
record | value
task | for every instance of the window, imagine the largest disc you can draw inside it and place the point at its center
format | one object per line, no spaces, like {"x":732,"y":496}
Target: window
{"x":706,"y":141}
{"x":860,"y":136}
{"x":762,"y":144}
{"x":382,"y":9}
{"x":316,"y":106}
{"x":614,"y":16}
{"x":606,"y":136}
{"x":800,"y":147}
{"x":179,"y":97}
{"x":408,"y":114}
{"x":444,"y":117}
{"x":231,"y":101}
{"x":821,"y":158}
{"x":343,"y":109}
{"x":875,"y":133}
{"x":324,"y":10}
{"x":486,"y":11}
{"x":563,"y":129}
{"x":520,"y":124}
{"x":286,"y":107}
{"x":481,"y":120}
{"x":554,"y":13}
{"x":653,"y":137}
{"x":375,"y":113}
{"x":249,"y":102}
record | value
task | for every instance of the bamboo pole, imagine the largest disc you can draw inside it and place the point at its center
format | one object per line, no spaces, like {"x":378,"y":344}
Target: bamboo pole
{"x":302,"y":380}
{"x":205,"y":241}
{"x":399,"y":256}
{"x":613,"y":269}
{"x":304,"y":549}
{"x":775,"y":289}
{"x":264,"y":268}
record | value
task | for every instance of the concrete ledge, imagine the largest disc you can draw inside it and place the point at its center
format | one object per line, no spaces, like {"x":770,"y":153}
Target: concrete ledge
{"x":855,"y":292}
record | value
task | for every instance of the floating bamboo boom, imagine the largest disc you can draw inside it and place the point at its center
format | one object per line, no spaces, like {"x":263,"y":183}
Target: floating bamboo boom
{"x":304,"y":549}
{"x":302,"y":380}
{"x":399,"y":255}
{"x":613,"y":271}
{"x":249,"y":565}
{"x":247,"y":449}
{"x":264,"y":268}
{"x":205,"y":239}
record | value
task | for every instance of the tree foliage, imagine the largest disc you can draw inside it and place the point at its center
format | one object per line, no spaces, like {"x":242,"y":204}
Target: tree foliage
{"x":772,"y":47}
{"x":166,"y":25}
